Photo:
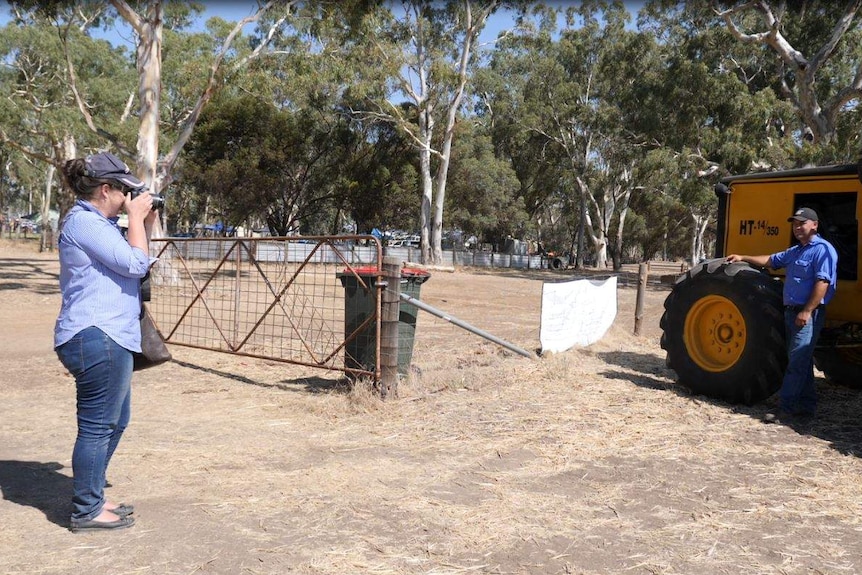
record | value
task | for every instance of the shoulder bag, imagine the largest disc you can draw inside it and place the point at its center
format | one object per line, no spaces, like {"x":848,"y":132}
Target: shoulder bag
{"x":153,"y":349}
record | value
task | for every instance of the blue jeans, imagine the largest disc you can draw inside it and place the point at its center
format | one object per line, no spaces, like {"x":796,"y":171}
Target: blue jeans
{"x":798,"y":393}
{"x":103,"y":377}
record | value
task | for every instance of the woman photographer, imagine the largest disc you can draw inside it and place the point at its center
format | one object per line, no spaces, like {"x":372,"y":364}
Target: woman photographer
{"x":98,"y":326}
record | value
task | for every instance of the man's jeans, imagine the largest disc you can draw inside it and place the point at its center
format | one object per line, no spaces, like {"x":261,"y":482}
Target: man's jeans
{"x":798,"y":394}
{"x":103,"y":376}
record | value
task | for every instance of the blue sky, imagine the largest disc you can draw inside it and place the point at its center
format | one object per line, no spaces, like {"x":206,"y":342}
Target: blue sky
{"x":234,"y":11}
{"x":230,"y":11}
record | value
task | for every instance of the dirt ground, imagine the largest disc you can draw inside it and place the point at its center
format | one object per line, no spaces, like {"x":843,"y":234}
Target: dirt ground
{"x":590,"y":461}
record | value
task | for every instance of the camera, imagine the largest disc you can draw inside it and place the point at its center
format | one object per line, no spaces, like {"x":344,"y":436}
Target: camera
{"x":158,"y":199}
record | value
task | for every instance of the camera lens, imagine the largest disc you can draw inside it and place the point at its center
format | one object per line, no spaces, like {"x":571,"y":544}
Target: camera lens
{"x":158,"y":199}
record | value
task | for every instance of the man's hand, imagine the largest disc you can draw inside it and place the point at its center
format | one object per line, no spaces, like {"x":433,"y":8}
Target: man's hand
{"x":759,"y":261}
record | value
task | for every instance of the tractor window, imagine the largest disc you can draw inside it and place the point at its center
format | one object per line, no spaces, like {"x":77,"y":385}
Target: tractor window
{"x":837,"y":213}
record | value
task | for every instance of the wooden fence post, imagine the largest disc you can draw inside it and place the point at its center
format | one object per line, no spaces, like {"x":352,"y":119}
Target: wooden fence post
{"x":390,"y":303}
{"x":643,"y":274}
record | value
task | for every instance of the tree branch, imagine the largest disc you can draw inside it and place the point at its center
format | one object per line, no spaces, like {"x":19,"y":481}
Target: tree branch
{"x":129,"y":15}
{"x":838,"y":31}
{"x":773,"y":37}
{"x":399,"y":120}
{"x":189,"y":124}
{"x":267,"y":39}
{"x":79,"y":100}
{"x":5,"y":139}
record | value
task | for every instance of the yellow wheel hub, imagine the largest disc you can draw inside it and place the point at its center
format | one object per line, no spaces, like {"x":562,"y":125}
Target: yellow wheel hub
{"x":714,"y":333}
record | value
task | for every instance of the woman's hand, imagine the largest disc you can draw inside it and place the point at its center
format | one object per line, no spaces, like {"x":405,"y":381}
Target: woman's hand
{"x":141,"y":217}
{"x":140,"y":208}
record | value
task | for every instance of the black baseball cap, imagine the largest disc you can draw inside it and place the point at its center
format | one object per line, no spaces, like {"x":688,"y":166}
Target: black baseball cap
{"x":107,"y":166}
{"x":803,"y":214}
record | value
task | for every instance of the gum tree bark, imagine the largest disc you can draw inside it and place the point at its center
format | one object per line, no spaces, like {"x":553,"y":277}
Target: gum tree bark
{"x":818,"y":113}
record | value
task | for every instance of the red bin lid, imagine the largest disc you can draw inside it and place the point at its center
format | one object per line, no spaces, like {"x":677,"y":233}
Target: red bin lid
{"x":362,"y":271}
{"x":372,"y":271}
{"x":414,"y":272}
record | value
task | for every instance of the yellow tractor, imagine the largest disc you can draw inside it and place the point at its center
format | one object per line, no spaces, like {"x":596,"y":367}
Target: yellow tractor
{"x":723,"y":326}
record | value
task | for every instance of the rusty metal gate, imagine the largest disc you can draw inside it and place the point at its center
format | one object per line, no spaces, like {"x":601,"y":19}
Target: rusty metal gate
{"x":281,"y":298}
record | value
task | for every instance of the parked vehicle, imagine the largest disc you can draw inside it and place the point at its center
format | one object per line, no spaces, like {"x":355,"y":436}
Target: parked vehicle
{"x":723,"y":327}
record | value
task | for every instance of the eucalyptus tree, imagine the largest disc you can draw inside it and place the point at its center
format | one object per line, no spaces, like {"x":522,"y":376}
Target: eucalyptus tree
{"x":715,"y":112}
{"x":285,"y":165}
{"x":627,"y":71}
{"x":381,"y":178}
{"x":148,"y":25}
{"x":42,"y":84}
{"x":499,"y":105}
{"x":570,"y":108}
{"x":808,"y":53}
{"x":421,"y":50}
{"x":660,"y":225}
{"x":535,"y":107}
{"x":148,"y":21}
{"x":817,"y":54}
{"x":483,"y":197}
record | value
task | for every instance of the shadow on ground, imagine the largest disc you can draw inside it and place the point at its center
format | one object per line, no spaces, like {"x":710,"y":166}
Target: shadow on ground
{"x":837,"y":421}
{"x":39,"y":485}
{"x":17,"y":274}
{"x":643,"y":369}
{"x":304,"y":384}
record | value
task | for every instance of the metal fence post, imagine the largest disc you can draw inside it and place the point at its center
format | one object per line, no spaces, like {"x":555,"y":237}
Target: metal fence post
{"x":237,"y":294}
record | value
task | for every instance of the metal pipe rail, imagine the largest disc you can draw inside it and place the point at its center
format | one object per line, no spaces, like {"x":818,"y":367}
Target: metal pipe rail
{"x":464,"y":325}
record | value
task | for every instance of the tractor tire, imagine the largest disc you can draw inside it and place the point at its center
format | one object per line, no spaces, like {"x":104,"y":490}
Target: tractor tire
{"x":723,"y":331}
{"x":842,"y":365}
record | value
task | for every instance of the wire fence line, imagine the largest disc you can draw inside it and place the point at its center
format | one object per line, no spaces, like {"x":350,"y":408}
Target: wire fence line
{"x":282,"y":299}
{"x":310,"y":301}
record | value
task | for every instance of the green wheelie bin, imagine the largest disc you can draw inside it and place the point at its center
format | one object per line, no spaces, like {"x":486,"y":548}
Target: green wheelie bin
{"x":360,"y":304}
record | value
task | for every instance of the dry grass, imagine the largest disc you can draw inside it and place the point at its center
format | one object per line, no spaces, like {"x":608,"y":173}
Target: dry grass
{"x":590,"y":461}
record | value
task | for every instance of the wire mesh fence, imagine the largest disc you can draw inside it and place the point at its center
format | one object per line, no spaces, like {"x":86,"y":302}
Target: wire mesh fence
{"x":282,"y":299}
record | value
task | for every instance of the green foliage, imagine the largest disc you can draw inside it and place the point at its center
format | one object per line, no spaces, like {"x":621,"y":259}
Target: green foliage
{"x":36,"y":80}
{"x":482,"y":191}
{"x":647,"y":118}
{"x":39,"y":114}
{"x":381,"y":179}
{"x":252,"y":160}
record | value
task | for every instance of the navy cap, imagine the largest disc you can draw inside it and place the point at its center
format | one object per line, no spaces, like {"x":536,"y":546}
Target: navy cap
{"x":107,"y":166}
{"x":803,"y":214}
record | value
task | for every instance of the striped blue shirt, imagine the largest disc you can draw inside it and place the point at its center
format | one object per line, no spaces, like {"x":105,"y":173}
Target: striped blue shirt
{"x":100,"y":278}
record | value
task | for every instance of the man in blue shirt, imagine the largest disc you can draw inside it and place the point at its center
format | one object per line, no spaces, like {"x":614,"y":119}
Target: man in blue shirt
{"x":809,"y":285}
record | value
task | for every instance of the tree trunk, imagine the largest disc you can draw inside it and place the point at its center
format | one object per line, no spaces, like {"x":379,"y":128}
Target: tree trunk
{"x":426,"y":127}
{"x":579,"y":261}
{"x":622,"y":204}
{"x":470,"y":31}
{"x":46,"y":240}
{"x":618,"y":248}
{"x":700,"y":225}
{"x":597,"y":237}
{"x":149,"y":65}
{"x":65,"y":196}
